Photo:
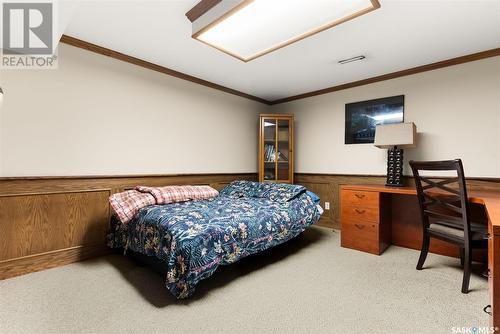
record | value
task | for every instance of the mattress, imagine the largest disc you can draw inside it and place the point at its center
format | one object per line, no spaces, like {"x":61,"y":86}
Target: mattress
{"x":193,"y":238}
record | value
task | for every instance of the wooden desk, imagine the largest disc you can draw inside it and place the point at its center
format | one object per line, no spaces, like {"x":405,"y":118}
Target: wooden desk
{"x":373,"y":218}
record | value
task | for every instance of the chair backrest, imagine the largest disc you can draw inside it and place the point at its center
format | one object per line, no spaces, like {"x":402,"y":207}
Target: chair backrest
{"x":438,"y":201}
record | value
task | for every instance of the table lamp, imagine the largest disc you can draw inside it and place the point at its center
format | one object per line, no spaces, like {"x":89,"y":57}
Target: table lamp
{"x":395,"y":137}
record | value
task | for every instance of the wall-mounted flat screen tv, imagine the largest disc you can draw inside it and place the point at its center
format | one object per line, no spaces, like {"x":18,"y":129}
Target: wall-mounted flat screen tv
{"x":362,"y":117}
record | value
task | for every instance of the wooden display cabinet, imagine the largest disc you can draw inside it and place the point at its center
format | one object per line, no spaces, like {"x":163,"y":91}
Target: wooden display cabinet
{"x":276,"y":148}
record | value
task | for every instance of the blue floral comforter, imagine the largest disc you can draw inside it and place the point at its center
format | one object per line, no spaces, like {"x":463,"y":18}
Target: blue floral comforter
{"x":193,"y":238}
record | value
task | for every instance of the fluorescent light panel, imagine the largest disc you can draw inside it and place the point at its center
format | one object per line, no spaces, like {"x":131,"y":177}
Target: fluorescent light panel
{"x":256,"y":27}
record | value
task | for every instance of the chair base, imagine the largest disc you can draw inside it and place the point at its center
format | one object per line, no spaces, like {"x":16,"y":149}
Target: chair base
{"x":465,"y":261}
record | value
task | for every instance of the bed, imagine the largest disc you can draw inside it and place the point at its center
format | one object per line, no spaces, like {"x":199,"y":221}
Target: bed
{"x":193,"y":238}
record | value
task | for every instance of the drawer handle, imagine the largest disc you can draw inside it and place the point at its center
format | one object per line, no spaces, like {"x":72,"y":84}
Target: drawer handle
{"x":486,"y":310}
{"x":359,"y":226}
{"x":360,"y":196}
{"x":360,"y":211}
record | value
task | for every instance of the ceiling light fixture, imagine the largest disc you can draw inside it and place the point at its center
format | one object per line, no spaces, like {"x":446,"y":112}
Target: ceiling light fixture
{"x":248,"y":29}
{"x":350,"y":60}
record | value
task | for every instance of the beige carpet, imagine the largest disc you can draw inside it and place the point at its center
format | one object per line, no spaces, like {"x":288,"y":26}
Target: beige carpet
{"x":310,"y":285}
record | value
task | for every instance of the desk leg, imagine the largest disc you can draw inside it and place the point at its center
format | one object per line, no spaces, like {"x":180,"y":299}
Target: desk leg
{"x":494,"y":278}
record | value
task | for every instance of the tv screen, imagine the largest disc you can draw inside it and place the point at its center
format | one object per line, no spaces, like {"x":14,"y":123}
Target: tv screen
{"x":362,"y":117}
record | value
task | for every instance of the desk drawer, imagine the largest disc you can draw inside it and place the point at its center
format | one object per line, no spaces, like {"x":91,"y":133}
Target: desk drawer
{"x":357,"y":213}
{"x":363,"y":236}
{"x":360,"y":198}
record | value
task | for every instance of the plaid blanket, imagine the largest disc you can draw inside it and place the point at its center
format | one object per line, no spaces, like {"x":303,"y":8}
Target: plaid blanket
{"x":172,"y":194}
{"x":126,"y":204}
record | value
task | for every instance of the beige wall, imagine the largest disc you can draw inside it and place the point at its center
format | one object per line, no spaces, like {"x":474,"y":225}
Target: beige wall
{"x":97,"y":115}
{"x":456,"y":110}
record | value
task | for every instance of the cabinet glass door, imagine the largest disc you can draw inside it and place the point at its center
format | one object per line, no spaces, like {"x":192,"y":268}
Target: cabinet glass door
{"x":283,"y":149}
{"x":270,"y":149}
{"x":276,"y":148}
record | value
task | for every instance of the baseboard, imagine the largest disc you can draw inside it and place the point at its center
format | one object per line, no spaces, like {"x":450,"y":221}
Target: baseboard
{"x":326,"y":222}
{"x":28,"y":264}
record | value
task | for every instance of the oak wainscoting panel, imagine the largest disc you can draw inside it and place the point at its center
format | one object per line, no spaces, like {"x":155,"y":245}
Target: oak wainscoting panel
{"x":36,"y":224}
{"x":46,"y":222}
{"x":327,"y":187}
{"x":400,"y":212}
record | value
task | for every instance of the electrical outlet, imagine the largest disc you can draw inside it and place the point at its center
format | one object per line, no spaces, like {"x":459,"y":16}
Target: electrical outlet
{"x":327,"y":205}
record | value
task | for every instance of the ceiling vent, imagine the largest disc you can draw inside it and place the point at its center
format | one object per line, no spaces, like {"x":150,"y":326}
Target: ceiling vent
{"x":350,"y":60}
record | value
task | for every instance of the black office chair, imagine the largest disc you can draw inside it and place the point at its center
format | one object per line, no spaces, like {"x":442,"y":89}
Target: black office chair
{"x":445,"y":213}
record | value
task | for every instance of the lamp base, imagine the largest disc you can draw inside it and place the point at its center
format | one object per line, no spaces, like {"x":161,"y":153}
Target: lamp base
{"x":395,"y":167}
{"x":394,"y":185}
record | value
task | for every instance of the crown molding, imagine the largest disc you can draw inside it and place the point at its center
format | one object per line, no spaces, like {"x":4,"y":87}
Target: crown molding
{"x":165,"y":70}
{"x":393,"y":75}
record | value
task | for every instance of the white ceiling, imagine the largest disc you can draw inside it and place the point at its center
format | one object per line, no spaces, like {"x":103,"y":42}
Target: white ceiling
{"x":399,"y":35}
